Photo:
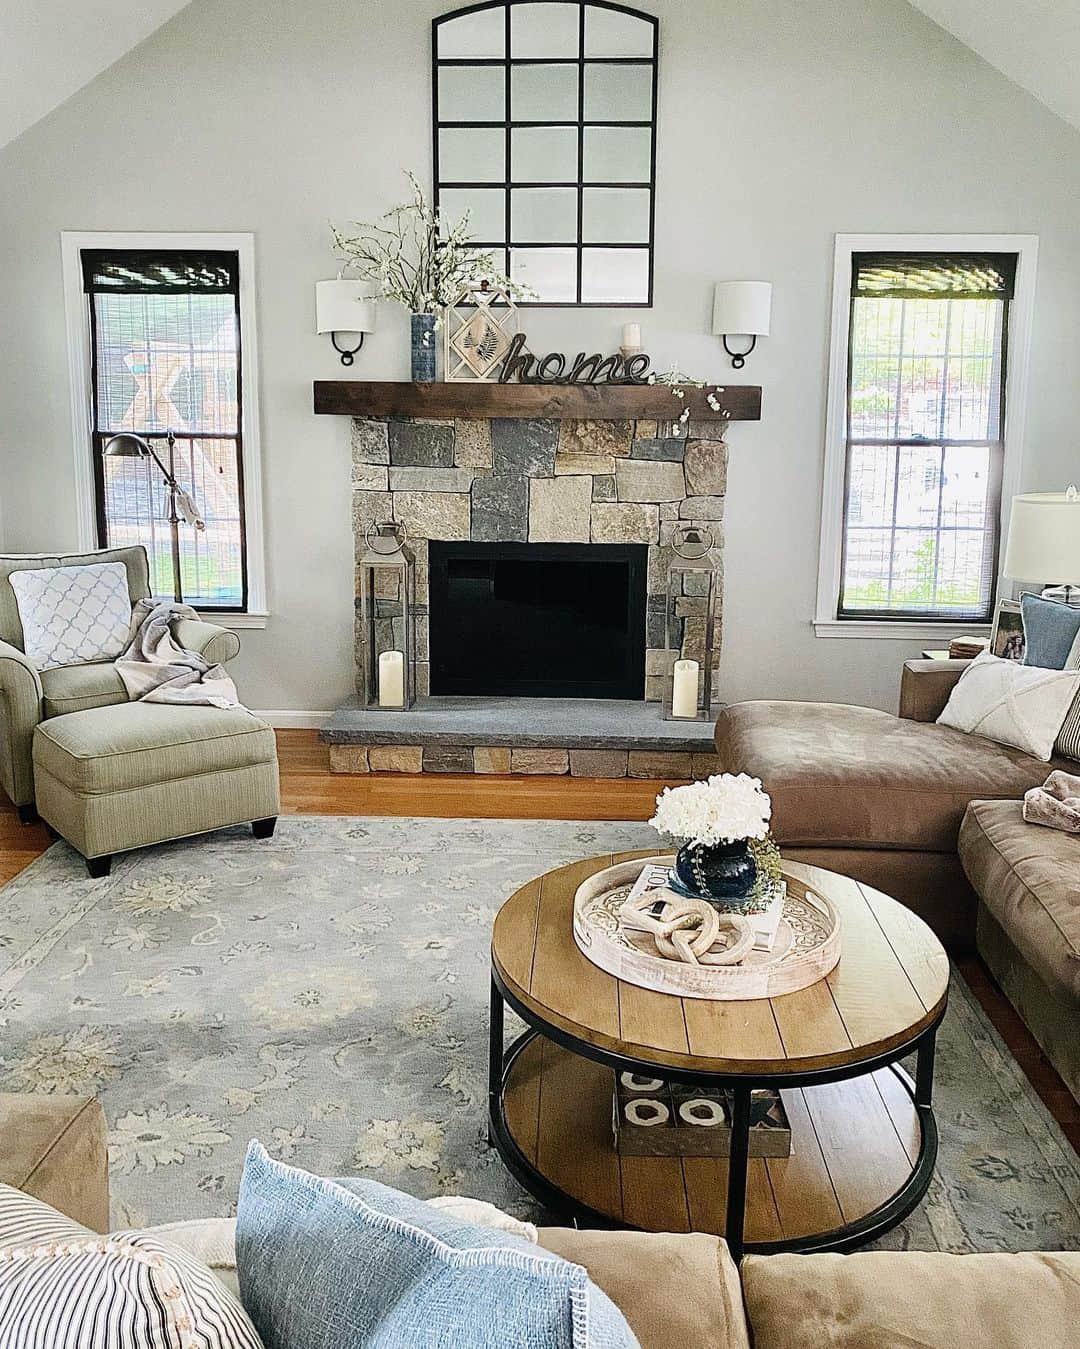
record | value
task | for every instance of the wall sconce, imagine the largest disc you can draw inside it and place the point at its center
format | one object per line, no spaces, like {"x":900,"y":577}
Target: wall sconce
{"x":343,"y":310}
{"x":741,"y":309}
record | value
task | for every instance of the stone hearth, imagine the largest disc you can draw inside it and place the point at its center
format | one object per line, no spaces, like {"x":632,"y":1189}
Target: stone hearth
{"x":585,"y":737}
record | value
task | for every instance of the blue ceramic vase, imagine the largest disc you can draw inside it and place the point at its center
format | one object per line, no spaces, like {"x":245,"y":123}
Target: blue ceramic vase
{"x":724,"y":874}
{"x":423,"y":348}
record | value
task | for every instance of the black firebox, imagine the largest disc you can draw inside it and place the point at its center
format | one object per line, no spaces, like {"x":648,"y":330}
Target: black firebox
{"x":542,"y":620}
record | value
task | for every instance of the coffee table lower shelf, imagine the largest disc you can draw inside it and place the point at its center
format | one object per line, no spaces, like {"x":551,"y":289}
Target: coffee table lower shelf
{"x":862,"y":1157}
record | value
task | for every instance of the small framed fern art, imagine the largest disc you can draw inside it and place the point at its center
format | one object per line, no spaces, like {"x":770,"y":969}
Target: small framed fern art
{"x":478,"y":328}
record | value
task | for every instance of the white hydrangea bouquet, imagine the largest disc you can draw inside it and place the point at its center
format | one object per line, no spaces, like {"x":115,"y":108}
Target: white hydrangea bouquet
{"x":723,"y":823}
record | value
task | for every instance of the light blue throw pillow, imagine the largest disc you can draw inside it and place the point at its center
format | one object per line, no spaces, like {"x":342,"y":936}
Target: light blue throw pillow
{"x":351,"y":1264}
{"x":1050,"y":629}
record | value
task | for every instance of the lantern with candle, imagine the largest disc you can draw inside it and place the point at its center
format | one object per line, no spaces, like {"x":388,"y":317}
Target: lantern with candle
{"x":693,"y":597}
{"x":386,"y":597}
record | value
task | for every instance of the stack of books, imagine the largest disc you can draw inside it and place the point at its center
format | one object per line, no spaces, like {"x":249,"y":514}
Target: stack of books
{"x":764,"y":913}
{"x":967,"y":648}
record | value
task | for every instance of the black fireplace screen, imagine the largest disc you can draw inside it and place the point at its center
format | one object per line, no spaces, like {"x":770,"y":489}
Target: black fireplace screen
{"x":554,"y":620}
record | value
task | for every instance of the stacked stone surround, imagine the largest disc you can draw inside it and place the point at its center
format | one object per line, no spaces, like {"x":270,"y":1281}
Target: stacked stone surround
{"x":512,"y":480}
{"x":674,"y":765}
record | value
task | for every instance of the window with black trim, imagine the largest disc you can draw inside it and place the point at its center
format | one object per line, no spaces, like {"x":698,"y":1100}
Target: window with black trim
{"x":927,"y":344}
{"x":165,"y":353}
{"x":545,"y":132}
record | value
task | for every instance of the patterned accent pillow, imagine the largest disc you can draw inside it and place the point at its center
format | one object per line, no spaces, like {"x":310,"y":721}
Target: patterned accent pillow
{"x":1014,"y":704}
{"x":71,"y":615}
{"x":1068,"y":741}
{"x":64,"y":1287}
{"x":398,"y":1272}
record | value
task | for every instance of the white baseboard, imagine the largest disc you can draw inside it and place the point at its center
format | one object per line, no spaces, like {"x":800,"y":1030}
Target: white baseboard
{"x":286,"y":718}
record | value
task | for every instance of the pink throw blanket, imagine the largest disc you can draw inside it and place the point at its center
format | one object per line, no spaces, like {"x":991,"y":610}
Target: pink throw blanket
{"x":1056,"y":803}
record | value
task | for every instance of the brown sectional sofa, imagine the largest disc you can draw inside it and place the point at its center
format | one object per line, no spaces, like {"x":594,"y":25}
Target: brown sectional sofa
{"x":675,"y":1290}
{"x":880,"y":797}
{"x":932,"y":816}
{"x":1028,"y":929}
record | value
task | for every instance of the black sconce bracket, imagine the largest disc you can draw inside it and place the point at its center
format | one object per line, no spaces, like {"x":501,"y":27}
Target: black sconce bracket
{"x":346,"y":353}
{"x":738,"y":358}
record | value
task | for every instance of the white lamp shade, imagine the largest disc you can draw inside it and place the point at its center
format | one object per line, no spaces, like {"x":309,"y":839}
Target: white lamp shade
{"x":343,"y":307}
{"x":743,"y":307}
{"x":1044,"y":538}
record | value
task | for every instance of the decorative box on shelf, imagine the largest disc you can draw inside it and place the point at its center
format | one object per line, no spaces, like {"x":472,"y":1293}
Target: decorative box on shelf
{"x":653,"y":1118}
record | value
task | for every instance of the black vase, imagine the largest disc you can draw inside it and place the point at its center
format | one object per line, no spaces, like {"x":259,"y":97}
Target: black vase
{"x":723,"y":873}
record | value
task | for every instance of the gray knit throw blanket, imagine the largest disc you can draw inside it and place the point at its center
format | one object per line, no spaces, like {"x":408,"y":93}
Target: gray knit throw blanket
{"x":155,"y":668}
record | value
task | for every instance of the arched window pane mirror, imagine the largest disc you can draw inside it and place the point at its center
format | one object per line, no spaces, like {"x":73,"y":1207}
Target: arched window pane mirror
{"x":545,"y":131}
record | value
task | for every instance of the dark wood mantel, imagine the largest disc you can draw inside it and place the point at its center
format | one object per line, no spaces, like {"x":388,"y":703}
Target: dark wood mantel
{"x":479,"y":400}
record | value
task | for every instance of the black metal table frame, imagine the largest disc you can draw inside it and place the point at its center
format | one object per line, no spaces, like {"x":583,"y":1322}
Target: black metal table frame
{"x":851,"y":1235}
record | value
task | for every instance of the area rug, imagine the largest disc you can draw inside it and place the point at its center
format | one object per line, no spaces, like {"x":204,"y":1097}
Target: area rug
{"x":326,"y":992}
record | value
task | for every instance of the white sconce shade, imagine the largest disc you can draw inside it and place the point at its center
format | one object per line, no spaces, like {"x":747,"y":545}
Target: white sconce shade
{"x":742,"y":308}
{"x":1044,"y":538}
{"x":343,"y":307}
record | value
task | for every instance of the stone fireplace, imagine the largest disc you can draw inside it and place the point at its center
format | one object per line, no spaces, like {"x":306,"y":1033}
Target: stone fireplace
{"x":544,"y":481}
{"x":543,"y":546}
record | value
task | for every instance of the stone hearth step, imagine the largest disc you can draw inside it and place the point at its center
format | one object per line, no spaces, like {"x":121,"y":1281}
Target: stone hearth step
{"x":586,"y":737}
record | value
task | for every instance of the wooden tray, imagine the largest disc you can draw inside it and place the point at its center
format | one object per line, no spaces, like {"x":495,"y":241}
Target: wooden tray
{"x":807,"y":943}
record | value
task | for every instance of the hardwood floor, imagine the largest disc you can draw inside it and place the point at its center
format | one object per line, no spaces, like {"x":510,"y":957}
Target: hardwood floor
{"x":309,"y":788}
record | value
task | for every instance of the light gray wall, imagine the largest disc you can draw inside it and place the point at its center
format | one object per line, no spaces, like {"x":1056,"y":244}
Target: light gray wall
{"x":781,"y":123}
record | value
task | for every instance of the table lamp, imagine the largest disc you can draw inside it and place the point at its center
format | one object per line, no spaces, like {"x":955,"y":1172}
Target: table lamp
{"x":128,"y":445}
{"x":1044,"y":542}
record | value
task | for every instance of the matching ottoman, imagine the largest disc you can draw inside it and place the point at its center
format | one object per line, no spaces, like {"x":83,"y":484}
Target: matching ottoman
{"x":109,"y":779}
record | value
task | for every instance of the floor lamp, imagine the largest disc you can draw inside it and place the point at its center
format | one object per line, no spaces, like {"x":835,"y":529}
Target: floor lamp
{"x":128,"y":445}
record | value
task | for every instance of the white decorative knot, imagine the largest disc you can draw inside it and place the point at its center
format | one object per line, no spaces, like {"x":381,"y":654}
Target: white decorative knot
{"x":690,"y":930}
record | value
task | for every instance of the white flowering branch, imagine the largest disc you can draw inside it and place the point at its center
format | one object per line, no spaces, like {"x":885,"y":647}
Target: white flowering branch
{"x":409,"y":257}
{"x":679,"y":383}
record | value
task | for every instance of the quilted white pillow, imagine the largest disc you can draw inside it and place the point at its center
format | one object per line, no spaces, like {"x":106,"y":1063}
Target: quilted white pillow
{"x":1014,"y":704}
{"x":64,"y":1287}
{"x":71,"y":615}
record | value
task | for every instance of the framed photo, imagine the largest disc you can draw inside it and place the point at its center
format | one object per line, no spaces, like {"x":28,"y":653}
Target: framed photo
{"x":1007,"y":638}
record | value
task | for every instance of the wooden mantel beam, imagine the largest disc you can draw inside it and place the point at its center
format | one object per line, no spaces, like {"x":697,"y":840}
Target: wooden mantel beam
{"x":478,"y":400}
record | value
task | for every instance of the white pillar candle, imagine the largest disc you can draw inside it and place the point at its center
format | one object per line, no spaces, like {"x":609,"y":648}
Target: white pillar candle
{"x":392,"y":679}
{"x":684,"y":701}
{"x":631,"y":335}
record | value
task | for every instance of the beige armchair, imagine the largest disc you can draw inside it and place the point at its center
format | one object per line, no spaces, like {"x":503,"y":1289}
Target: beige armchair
{"x":29,"y":696}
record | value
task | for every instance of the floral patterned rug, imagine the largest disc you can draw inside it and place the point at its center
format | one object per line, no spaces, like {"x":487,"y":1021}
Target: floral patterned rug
{"x":326,"y":992}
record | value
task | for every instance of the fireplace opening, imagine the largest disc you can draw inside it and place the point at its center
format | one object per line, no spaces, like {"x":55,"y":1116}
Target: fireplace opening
{"x":540,"y":620}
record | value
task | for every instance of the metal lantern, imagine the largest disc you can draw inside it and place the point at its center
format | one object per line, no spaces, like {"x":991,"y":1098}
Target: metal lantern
{"x":386,"y":593}
{"x":693,"y":596}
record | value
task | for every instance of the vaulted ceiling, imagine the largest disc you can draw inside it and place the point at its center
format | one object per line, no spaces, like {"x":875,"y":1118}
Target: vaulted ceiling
{"x":1036,"y":43}
{"x":49,"y":49}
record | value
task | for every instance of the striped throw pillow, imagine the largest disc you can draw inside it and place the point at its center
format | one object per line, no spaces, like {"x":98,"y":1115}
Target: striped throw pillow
{"x":1068,"y":741}
{"x":64,"y":1287}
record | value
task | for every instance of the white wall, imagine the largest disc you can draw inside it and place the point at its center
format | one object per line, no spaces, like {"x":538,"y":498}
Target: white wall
{"x":781,"y":123}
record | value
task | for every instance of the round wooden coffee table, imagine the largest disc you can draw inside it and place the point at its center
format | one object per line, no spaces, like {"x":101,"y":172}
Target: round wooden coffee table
{"x":864,"y":1140}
